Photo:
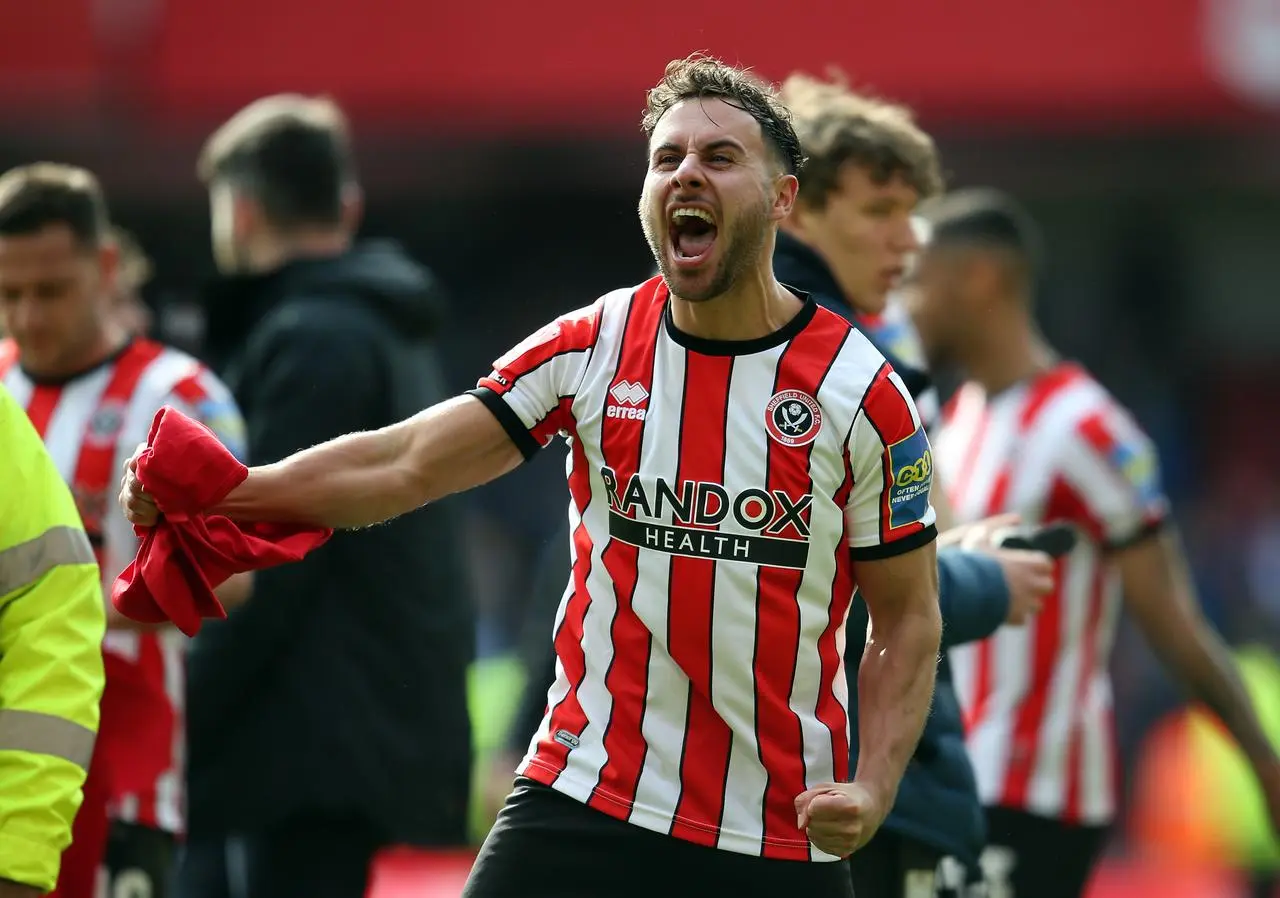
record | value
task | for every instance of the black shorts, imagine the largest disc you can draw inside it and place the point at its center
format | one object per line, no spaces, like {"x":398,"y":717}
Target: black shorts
{"x":547,"y":845}
{"x":1029,"y":856}
{"x":894,"y":866}
{"x":139,"y":861}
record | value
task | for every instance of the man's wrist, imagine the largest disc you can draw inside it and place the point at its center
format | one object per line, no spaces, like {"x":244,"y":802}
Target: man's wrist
{"x":880,"y":791}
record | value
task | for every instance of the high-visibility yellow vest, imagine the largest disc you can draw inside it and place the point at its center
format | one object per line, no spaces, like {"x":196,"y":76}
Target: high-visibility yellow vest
{"x":52,"y":622}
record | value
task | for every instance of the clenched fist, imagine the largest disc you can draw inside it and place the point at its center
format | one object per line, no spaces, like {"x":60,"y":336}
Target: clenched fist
{"x":138,"y":507}
{"x":839,"y":818}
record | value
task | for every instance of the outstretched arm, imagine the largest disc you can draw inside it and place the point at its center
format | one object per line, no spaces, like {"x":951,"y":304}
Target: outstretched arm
{"x":366,"y":478}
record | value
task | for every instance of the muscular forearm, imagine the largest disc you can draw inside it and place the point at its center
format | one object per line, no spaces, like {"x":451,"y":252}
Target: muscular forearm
{"x":366,"y":478}
{"x":354,"y":481}
{"x":895,"y":688}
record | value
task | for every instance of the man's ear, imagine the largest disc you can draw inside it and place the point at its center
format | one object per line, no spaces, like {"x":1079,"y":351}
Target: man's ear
{"x":786,"y":189}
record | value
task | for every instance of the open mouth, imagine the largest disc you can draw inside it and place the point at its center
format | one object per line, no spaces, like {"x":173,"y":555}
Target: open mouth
{"x":693,"y":233}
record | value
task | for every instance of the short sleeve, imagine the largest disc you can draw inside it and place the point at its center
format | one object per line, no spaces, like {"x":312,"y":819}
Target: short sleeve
{"x":531,"y":388}
{"x":889,"y":511}
{"x":1113,"y":469}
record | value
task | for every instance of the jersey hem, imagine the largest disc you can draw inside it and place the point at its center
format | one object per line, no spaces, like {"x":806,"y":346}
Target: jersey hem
{"x":509,"y":420}
{"x":655,"y":821}
{"x":897,"y":547}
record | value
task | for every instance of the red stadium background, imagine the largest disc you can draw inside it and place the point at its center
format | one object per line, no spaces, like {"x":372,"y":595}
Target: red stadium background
{"x":506,"y":65}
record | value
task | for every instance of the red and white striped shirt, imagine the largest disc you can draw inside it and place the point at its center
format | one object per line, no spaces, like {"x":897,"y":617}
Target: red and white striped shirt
{"x":718,"y":491}
{"x":91,"y":424}
{"x":1037,"y":698}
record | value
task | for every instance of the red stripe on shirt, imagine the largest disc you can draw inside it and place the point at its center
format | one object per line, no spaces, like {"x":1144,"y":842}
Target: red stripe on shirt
{"x":554,"y":421}
{"x":1064,"y":503}
{"x":982,"y":688}
{"x":41,"y":405}
{"x":191,"y":389}
{"x":704,"y":756}
{"x":8,"y":355}
{"x":1042,"y":390}
{"x":803,"y":367}
{"x":95,"y":466}
{"x":1088,"y":663}
{"x":626,"y":680}
{"x":830,"y":712}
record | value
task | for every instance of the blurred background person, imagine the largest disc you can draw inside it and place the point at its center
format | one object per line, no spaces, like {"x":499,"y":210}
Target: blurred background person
{"x":51,"y":676}
{"x":91,"y":389}
{"x":328,"y":715}
{"x":1033,"y":434}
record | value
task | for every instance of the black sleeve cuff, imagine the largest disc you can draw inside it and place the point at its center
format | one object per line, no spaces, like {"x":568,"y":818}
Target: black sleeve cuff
{"x":897,"y":547}
{"x":509,"y":420}
{"x":1146,"y":532}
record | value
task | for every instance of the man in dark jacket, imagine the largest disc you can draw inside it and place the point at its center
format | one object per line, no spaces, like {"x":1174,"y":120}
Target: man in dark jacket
{"x":848,"y":243}
{"x":327,"y":716}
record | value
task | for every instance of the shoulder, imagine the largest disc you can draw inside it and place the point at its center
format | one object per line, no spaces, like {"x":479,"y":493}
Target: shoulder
{"x":577,"y":330}
{"x":1083,"y":415}
{"x":170,"y":373}
{"x":175,"y":378}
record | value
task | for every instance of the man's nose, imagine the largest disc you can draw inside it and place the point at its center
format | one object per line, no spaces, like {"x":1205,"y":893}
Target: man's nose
{"x":905,"y":239}
{"x":689,"y":173}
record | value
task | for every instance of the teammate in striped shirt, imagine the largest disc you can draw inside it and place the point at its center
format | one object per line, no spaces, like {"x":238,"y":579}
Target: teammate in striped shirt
{"x":91,"y":390}
{"x":1031,"y":433}
{"x":739,"y":460}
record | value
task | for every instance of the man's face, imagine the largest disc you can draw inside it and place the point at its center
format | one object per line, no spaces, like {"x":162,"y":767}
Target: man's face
{"x":55,"y":297}
{"x":938,"y":300}
{"x":863,"y":233}
{"x":711,"y":196}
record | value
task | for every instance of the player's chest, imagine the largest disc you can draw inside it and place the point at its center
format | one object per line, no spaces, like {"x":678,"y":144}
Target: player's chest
{"x":713,"y":441}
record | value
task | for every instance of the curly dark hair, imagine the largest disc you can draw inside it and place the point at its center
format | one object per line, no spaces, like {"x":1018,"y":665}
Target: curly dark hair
{"x":699,"y":75}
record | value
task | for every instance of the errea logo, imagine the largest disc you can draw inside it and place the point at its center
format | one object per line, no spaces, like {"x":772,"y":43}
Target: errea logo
{"x":628,"y":401}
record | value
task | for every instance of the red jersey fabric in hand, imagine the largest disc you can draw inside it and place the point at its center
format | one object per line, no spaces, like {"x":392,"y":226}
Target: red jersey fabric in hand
{"x":189,"y":553}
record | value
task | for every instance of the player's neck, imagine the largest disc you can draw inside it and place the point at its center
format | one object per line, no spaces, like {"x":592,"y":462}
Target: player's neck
{"x":756,"y":307}
{"x":1011,"y":355}
{"x":110,"y":339}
